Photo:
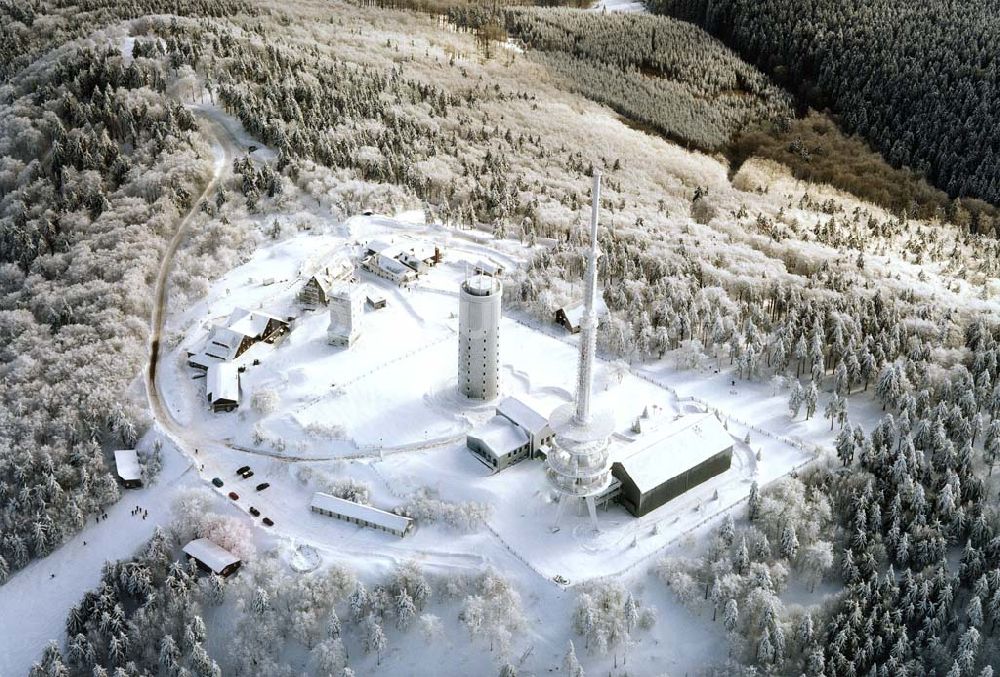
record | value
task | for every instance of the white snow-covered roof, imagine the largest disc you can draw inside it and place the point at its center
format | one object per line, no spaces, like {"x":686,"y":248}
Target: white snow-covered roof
{"x":250,"y":322}
{"x":222,"y":382}
{"x":338,"y":269}
{"x":127,"y":464}
{"x":523,"y":414}
{"x":500,"y":436}
{"x":221,"y":346}
{"x":345,"y":290}
{"x":418,"y":249}
{"x":393,"y":266}
{"x":487,"y":267}
{"x":481,"y":285}
{"x":214,"y":556}
{"x":673,"y":449}
{"x":380,"y":247}
{"x":365,"y":513}
{"x":575,"y":313}
{"x":222,"y":343}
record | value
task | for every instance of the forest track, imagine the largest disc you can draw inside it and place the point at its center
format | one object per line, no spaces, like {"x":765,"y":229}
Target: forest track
{"x":225,"y":143}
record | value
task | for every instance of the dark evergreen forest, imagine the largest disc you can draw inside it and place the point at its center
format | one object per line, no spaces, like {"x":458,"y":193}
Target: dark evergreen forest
{"x":918,"y":80}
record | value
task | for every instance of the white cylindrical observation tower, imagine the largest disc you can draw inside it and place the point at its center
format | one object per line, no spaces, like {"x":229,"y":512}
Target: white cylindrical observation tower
{"x":479,"y":337}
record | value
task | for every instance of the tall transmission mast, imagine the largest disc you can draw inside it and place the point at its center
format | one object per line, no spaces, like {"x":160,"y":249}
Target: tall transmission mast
{"x":588,"y":324}
{"x":577,"y":465}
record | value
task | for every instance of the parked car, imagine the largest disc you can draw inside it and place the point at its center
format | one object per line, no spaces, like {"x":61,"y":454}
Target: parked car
{"x":247,"y":474}
{"x":233,"y":495}
{"x":254,"y":511}
{"x":240,"y":471}
{"x":267,"y":522}
{"x":262,"y":486}
{"x":217,"y":482}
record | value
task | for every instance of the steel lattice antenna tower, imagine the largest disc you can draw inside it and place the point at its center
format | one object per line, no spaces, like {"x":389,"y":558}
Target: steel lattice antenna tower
{"x":577,"y":465}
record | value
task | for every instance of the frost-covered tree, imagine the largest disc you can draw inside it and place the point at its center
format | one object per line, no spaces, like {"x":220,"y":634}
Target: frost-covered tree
{"x":374,"y":638}
{"x":795,"y":399}
{"x":405,"y":610}
{"x":571,"y":665}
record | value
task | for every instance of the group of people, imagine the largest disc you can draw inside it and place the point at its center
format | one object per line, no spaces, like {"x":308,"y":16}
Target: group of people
{"x":137,"y":510}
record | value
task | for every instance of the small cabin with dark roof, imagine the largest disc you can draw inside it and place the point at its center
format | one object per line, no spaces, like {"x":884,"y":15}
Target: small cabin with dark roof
{"x":211,"y":557}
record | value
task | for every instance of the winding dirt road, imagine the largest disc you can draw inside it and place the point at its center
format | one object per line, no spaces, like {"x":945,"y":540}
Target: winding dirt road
{"x":224,"y":146}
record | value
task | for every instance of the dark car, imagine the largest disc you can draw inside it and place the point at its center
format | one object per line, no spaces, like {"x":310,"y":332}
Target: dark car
{"x":240,"y":471}
{"x":254,"y":511}
{"x":217,"y":482}
{"x":233,"y":495}
{"x":247,"y":474}
{"x":267,"y":522}
{"x":262,"y":486}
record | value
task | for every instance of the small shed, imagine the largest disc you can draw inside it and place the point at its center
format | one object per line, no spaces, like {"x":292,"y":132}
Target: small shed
{"x":222,"y":386}
{"x":211,"y":557}
{"x":498,"y":443}
{"x":571,"y":316}
{"x":363,"y":515}
{"x":667,"y":462}
{"x":375,"y":300}
{"x":128,"y":469}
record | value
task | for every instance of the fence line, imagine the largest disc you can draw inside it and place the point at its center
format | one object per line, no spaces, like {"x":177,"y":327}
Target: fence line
{"x":513,"y":551}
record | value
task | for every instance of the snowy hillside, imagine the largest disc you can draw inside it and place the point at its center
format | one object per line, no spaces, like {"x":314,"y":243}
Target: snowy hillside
{"x":849,"y":354}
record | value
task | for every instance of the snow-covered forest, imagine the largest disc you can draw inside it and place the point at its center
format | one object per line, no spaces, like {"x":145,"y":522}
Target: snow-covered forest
{"x":96,"y":165}
{"x":881,"y":557}
{"x":654,"y":71}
